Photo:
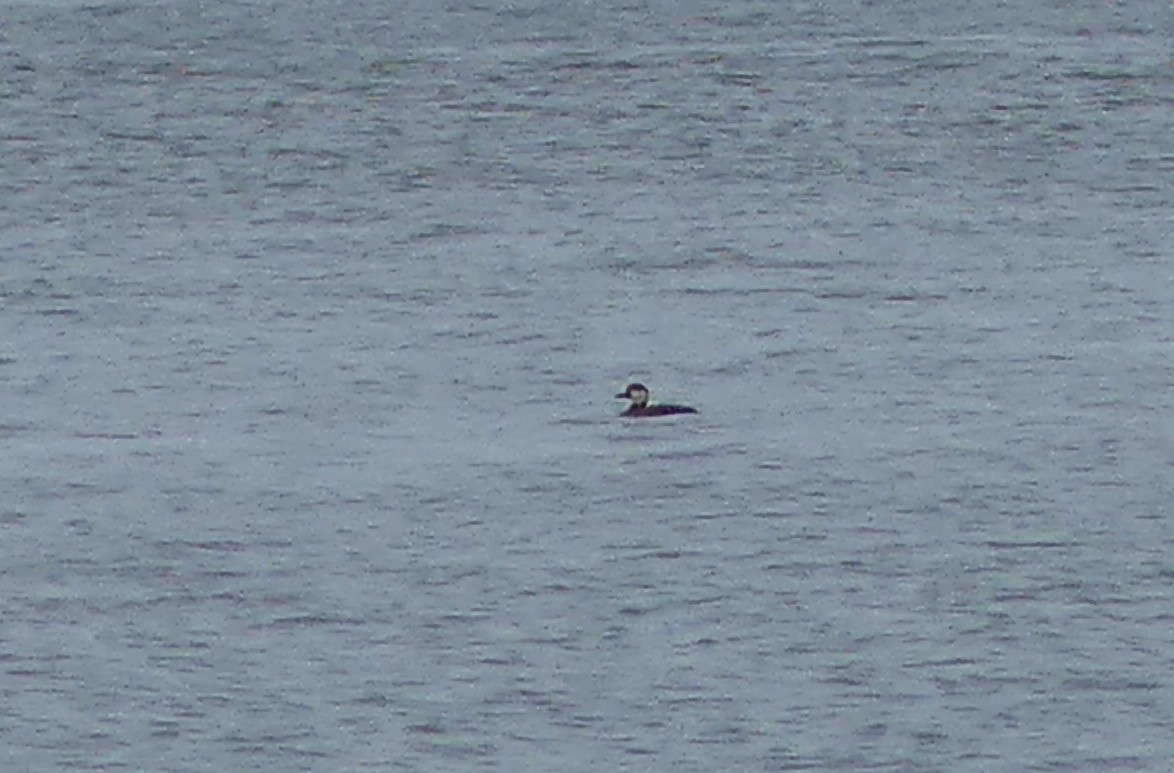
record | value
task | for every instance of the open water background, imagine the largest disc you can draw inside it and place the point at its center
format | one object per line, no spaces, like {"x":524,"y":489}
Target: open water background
{"x":311,"y":318}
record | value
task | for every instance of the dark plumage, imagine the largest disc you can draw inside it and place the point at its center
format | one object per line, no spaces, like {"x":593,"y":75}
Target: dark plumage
{"x":638,"y":394}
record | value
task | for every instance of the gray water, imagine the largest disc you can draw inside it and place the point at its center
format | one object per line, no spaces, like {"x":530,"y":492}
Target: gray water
{"x":312,"y":316}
